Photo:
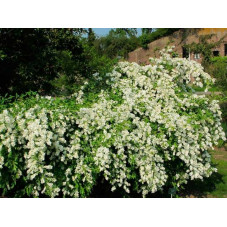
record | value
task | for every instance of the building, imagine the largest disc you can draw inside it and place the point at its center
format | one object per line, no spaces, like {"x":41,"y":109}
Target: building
{"x":179,"y":39}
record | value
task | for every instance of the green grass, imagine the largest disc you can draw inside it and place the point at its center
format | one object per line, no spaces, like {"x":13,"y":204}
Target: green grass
{"x":220,"y":190}
{"x":213,"y":88}
{"x":220,"y":160}
{"x":213,"y":187}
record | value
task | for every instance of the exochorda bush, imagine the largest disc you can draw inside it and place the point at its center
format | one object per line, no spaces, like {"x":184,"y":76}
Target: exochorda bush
{"x":146,"y":131}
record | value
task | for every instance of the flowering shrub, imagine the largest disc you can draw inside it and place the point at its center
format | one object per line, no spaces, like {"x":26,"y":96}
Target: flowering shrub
{"x":145,"y":131}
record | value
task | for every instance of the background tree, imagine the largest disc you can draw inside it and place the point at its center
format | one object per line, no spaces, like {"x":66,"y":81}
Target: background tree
{"x":118,"y":43}
{"x":149,"y":36}
{"x":126,"y":31}
{"x":91,"y":36}
{"x":31,"y":57}
{"x":147,"y":30}
{"x":38,"y":59}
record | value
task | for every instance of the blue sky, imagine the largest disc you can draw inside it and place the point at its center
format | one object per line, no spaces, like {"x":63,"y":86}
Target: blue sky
{"x":104,"y":31}
{"x":101,"y":31}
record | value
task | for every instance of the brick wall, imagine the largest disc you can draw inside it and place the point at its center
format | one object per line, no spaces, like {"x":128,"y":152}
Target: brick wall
{"x":178,"y":39}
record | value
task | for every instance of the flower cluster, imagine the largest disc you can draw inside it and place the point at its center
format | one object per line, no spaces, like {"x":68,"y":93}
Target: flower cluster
{"x":145,"y":132}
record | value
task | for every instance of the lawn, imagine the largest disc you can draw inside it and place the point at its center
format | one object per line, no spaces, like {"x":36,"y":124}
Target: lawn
{"x":220,"y":159}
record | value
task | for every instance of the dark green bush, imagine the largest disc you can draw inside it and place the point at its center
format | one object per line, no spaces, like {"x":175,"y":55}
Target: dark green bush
{"x":218,"y":69}
{"x":147,"y":38}
{"x":47,"y":60}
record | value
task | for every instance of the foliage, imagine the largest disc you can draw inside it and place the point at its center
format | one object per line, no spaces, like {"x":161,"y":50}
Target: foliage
{"x":117,"y":44}
{"x":214,"y":186}
{"x":125,"y":31}
{"x":218,"y":69}
{"x":67,"y":82}
{"x":204,"y":47}
{"x":221,"y":188}
{"x":219,"y":59}
{"x":39,"y":59}
{"x":91,"y":37}
{"x":30,"y":61}
{"x":146,"y":30}
{"x":148,"y":37}
{"x":142,"y":132}
{"x":2,"y":56}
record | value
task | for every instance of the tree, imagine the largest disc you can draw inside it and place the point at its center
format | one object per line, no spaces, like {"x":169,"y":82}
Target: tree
{"x":126,"y":31}
{"x":148,"y":37}
{"x":118,"y":43}
{"x":31,"y":58}
{"x":147,"y":30}
{"x":91,"y":36}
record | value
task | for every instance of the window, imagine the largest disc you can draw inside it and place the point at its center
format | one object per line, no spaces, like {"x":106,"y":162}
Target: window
{"x":185,"y":53}
{"x":216,"y":53}
{"x":225,"y":49}
{"x":196,"y":56}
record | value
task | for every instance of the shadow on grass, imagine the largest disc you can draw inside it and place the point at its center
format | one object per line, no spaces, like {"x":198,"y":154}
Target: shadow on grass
{"x":103,"y":190}
{"x":196,"y":188}
{"x":200,"y":189}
